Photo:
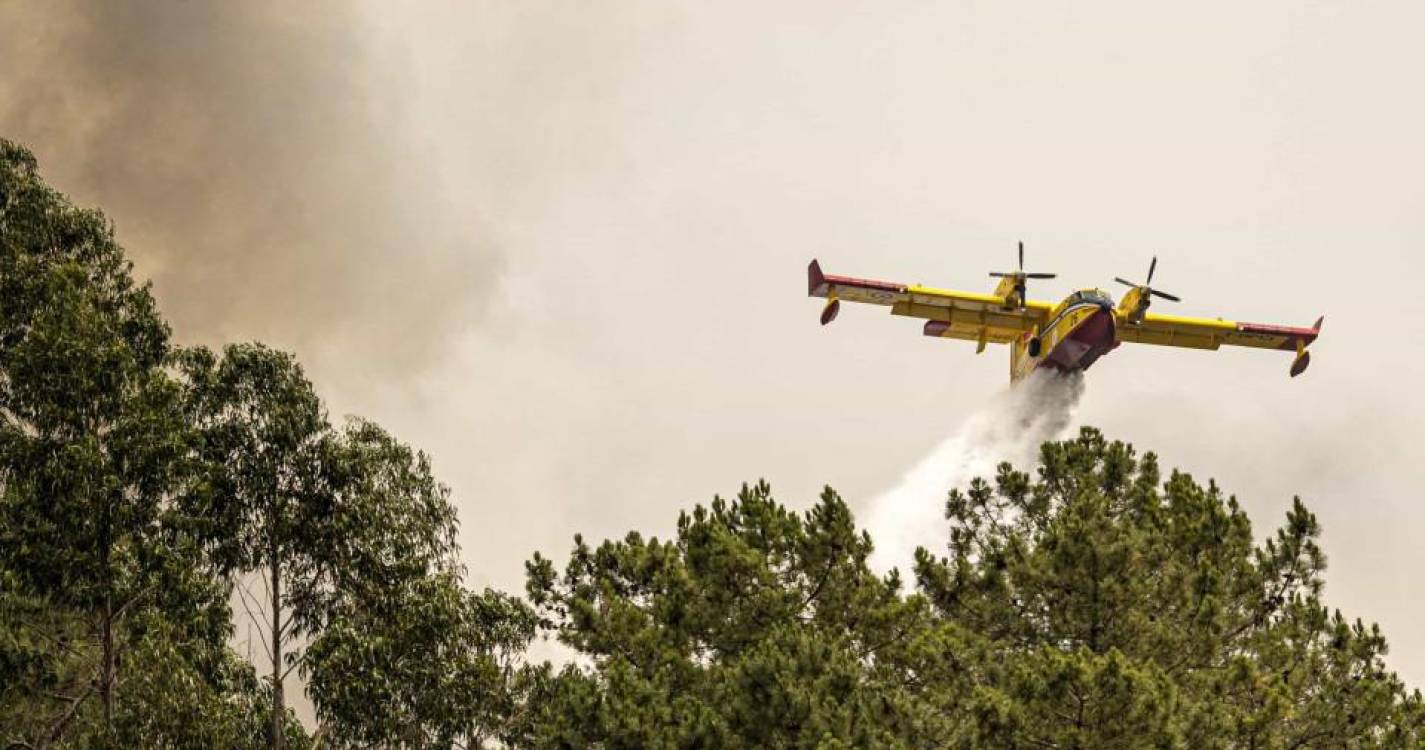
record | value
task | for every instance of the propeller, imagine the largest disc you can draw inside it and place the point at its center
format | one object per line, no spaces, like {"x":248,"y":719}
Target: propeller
{"x":1146,"y":286}
{"x":1021,"y":273}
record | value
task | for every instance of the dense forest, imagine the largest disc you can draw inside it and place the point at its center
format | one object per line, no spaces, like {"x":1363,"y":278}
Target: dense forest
{"x":152,"y":495}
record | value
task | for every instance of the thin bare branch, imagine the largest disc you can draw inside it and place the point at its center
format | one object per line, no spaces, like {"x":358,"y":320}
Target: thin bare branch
{"x":253,"y":618}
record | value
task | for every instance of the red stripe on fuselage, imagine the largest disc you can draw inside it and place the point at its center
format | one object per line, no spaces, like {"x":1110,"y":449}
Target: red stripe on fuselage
{"x":1307,"y":335}
{"x":885,"y":286}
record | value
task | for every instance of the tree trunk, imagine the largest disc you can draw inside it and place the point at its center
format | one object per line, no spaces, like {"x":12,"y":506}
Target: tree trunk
{"x":106,"y":628}
{"x":278,"y":709}
{"x":106,"y":678}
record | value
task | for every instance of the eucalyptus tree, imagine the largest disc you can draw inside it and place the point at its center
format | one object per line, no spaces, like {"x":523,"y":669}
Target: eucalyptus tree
{"x":92,"y":439}
{"x":346,"y":530}
{"x":138,"y":484}
{"x":266,"y":492}
{"x":426,"y":664}
{"x":405,"y":655}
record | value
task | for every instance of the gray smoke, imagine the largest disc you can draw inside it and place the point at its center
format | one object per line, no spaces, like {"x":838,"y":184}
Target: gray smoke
{"x":254,"y":159}
{"x":1010,"y":427}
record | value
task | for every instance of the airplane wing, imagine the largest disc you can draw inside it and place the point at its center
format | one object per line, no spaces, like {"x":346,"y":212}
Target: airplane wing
{"x":948,"y":314}
{"x":1206,"y":333}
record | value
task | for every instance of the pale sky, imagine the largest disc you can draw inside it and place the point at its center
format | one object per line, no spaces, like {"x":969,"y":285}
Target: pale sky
{"x":562,"y":245}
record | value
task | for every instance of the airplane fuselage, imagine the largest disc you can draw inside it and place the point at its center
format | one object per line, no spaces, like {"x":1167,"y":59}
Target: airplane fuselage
{"x":1080,"y":330}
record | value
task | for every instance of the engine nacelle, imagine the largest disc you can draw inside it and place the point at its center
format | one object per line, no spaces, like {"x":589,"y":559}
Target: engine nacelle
{"x":829,"y":312}
{"x":1299,"y":365}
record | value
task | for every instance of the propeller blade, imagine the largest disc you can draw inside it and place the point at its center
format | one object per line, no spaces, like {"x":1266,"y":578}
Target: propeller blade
{"x":1124,"y":282}
{"x":1040,"y":275}
{"x":998,"y":275}
{"x":1151,"y":267}
{"x":1164,"y":295}
{"x":1021,"y":255}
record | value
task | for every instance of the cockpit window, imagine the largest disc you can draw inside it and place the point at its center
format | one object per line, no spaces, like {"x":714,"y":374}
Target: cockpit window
{"x":1092,"y":295}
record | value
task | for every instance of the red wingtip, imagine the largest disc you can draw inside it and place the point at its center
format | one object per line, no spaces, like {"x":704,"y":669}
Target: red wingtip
{"x":816,"y":280}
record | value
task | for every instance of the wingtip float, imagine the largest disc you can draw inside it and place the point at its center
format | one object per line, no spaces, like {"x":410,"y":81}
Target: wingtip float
{"x":1068,"y":336}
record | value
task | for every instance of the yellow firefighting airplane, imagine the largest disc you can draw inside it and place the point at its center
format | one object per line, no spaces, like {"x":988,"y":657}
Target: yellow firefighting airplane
{"x":1069,"y":336}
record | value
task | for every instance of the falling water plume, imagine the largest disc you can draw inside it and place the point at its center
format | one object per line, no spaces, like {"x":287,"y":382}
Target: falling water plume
{"x":1010,"y":427}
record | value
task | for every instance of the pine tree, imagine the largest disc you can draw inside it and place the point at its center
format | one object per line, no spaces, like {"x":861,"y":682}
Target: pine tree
{"x":1124,"y":612}
{"x":1093,"y":605}
{"x":755,"y":627}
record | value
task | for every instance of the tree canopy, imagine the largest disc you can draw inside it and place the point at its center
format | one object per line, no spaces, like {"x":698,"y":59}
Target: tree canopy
{"x":92,"y":449}
{"x":1085,"y":602}
{"x":145,"y":487}
{"x":1091,"y":605}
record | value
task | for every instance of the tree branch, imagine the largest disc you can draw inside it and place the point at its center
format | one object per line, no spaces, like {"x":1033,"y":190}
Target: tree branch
{"x":58,"y":730}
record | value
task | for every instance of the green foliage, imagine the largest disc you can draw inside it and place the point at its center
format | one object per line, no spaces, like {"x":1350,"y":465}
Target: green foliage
{"x":176,"y":700}
{"x":427,"y":665}
{"x":755,"y":627}
{"x":174,"y":691}
{"x":404,"y":656}
{"x":354,"y":540}
{"x":263,"y":495}
{"x":88,"y":420}
{"x":1229,"y":643}
{"x":1091,"y":606}
{"x":387,"y":523}
{"x":138,"y":484}
{"x":262,"y":437}
{"x":93,"y":446}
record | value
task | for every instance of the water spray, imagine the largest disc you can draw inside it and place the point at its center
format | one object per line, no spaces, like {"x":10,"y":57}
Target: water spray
{"x":1010,"y":427}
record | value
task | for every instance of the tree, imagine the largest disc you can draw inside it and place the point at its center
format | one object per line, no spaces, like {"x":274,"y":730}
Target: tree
{"x":755,"y":627}
{"x":112,"y":629}
{"x":176,"y":700}
{"x":352,"y":538}
{"x":139,"y":484}
{"x":177,"y":691}
{"x":1127,"y":612}
{"x":400,"y":646}
{"x":265,"y":493}
{"x":427,"y":664}
{"x":405,"y":656}
{"x":92,"y":442}
{"x":1091,"y":606}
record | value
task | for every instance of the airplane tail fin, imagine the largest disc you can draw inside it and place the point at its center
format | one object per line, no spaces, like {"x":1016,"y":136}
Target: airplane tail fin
{"x":816,"y":280}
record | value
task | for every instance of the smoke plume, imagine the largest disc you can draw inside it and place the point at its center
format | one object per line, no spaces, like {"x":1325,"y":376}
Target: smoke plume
{"x":254,"y":159}
{"x":1010,"y":427}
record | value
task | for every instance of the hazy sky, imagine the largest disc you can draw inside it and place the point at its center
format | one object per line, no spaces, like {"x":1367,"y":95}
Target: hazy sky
{"x":562,"y":245}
